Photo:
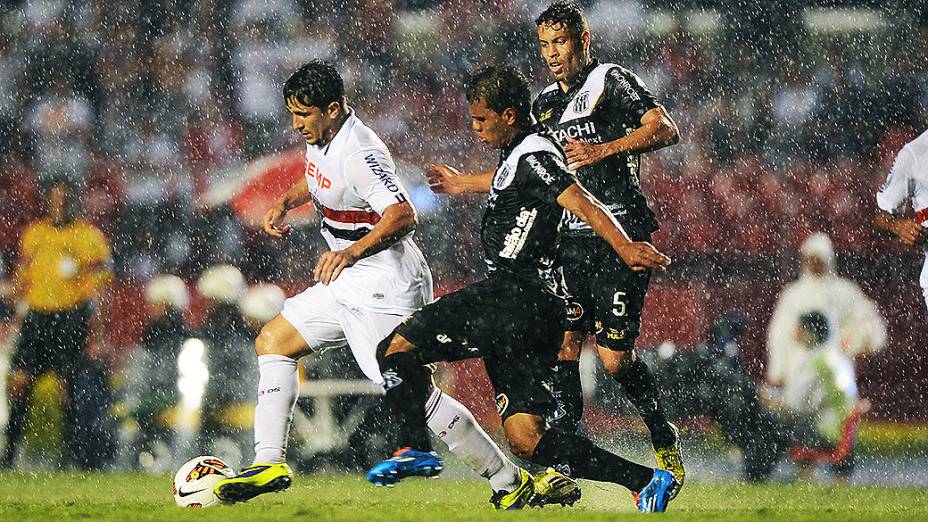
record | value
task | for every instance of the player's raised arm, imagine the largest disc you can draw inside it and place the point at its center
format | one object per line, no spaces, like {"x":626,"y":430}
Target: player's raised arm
{"x":398,"y":220}
{"x":445,"y":179}
{"x":273,"y":221}
{"x":638,"y":255}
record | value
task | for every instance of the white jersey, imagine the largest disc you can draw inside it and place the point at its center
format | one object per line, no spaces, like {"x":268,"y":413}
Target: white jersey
{"x":908,"y":182}
{"x":352,"y":180}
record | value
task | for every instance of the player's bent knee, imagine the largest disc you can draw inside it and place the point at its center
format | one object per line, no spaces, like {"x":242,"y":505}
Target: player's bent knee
{"x":523,"y":431}
{"x":522,"y":445}
{"x":278,"y":337}
{"x":393,"y":343}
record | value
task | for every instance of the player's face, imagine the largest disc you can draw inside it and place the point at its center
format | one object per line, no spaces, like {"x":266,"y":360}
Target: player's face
{"x":564,"y":54}
{"x":313,"y":124}
{"x":494,"y":129}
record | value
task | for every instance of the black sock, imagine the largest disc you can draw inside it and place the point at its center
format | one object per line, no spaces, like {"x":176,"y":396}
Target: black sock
{"x":568,"y":393}
{"x":14,"y":428}
{"x":641,"y":388}
{"x":588,"y":461}
{"x":407,"y":385}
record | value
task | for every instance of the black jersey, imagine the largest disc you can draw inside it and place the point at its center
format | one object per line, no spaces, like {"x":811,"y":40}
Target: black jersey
{"x":519,"y":231}
{"x":606,"y":103}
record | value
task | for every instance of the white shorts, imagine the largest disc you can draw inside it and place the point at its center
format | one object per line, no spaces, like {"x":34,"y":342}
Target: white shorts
{"x":325,"y":324}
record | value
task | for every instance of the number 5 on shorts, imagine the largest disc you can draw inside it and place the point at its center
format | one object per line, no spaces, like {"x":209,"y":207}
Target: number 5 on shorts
{"x":618,"y":304}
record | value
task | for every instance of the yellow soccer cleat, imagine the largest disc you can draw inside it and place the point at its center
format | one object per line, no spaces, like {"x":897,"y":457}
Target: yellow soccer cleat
{"x":671,"y":459}
{"x":253,"y":481}
{"x":554,"y":487}
{"x":518,"y":498}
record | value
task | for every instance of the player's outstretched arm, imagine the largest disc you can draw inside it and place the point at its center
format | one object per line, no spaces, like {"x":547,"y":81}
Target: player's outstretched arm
{"x":907,"y":230}
{"x":398,"y":220}
{"x":273,"y":221}
{"x":657,"y":130}
{"x":445,"y":179}
{"x":638,"y":255}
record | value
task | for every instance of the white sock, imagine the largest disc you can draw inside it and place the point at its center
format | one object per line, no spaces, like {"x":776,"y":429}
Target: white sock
{"x":278,"y":387}
{"x":456,"y":426}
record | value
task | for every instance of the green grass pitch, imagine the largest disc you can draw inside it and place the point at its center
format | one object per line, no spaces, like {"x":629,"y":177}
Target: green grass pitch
{"x":60,"y":496}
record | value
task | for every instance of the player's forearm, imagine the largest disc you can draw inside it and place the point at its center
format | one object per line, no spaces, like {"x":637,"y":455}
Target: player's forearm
{"x":657,"y":131}
{"x":650,"y":137}
{"x":397,"y":221}
{"x":584,"y":205}
{"x":885,"y":221}
{"x":478,"y":182}
{"x":298,"y":194}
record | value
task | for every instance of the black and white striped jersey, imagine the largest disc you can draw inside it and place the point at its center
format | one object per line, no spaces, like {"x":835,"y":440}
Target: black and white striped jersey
{"x":520,"y":227}
{"x":606,"y":103}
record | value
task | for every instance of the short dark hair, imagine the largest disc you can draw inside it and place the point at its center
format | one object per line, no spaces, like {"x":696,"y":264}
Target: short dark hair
{"x":315,"y":84}
{"x":501,"y":87}
{"x":566,"y":13}
{"x":816,"y":325}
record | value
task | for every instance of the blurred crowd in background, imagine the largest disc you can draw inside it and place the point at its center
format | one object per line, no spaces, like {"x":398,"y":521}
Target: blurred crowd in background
{"x":789,"y":118}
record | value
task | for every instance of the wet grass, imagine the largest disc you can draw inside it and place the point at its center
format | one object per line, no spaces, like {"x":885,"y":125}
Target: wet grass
{"x":60,"y":496}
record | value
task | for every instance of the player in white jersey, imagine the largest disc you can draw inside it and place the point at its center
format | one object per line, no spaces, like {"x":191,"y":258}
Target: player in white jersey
{"x":372,"y":277}
{"x":907,"y":182}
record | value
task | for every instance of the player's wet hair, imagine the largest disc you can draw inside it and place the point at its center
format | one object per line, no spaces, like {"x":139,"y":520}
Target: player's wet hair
{"x":315,"y":84}
{"x":566,"y":13}
{"x":816,"y":325}
{"x":501,"y":87}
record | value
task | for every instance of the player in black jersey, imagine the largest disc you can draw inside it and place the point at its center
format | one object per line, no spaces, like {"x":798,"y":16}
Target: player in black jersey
{"x":604,"y":117}
{"x":513,"y":318}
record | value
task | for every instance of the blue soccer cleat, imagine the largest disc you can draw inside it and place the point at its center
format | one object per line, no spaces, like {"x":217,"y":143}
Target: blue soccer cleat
{"x":655,"y":496}
{"x":405,"y":462}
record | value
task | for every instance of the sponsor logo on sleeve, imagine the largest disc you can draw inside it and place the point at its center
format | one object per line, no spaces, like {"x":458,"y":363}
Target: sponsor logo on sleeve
{"x":383,"y":174}
{"x":539,"y":169}
{"x":630,"y":91}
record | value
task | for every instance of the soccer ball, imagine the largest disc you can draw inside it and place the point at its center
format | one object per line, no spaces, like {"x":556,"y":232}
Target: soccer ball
{"x":195,"y":480}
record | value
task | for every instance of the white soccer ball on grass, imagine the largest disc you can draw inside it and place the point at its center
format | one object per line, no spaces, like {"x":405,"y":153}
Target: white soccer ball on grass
{"x":195,"y":480}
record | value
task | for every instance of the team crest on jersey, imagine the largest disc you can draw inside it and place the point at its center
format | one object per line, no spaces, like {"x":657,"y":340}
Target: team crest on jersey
{"x":502,"y":403}
{"x":582,"y":102}
{"x":503,"y":177}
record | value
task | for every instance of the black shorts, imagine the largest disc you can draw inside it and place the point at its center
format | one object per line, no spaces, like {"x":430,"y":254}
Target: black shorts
{"x":606,"y":296}
{"x":52,"y":341}
{"x":513,"y":324}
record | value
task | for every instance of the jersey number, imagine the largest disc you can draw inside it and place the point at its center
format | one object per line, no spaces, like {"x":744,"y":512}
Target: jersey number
{"x":618,"y":304}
